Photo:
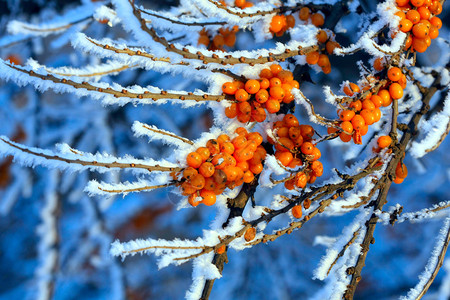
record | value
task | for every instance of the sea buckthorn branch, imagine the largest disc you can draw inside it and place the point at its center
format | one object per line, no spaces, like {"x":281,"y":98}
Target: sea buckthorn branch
{"x":202,"y":24}
{"x":386,"y":182}
{"x":163,"y":95}
{"x":281,"y":9}
{"x":94,"y":163}
{"x":57,"y":28}
{"x":93,"y":74}
{"x":342,"y":252}
{"x":162,"y":132}
{"x":131,"y":190}
{"x":227,"y":60}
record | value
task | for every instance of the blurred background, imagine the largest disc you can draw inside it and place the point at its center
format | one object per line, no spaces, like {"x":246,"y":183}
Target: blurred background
{"x":54,"y":239}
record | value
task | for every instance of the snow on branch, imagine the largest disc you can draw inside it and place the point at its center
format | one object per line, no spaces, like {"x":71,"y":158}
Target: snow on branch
{"x":154,"y":133}
{"x":106,"y":189}
{"x":74,"y":160}
{"x":435,"y":130}
{"x":434,"y":264}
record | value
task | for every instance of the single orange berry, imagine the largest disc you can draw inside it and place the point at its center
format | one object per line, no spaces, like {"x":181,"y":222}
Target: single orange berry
{"x":312,"y":57}
{"x":290,"y":120}
{"x":317,"y":168}
{"x":297,"y":211}
{"x":277,"y":23}
{"x":317,"y":19}
{"x":384,"y":141}
{"x":284,"y":158}
{"x":419,"y":45}
{"x":395,"y":90}
{"x":189,"y":173}
{"x":401,"y":171}
{"x":275,"y":68}
{"x":277,"y":92}
{"x":194,"y":160}
{"x":300,"y":180}
{"x":405,"y":25}
{"x":229,"y":88}
{"x":376,"y":100}
{"x":368,"y":104}
{"x":264,"y":83}
{"x":275,"y":81}
{"x":290,"y":21}
{"x":208,"y":197}
{"x":304,"y":13}
{"x":378,"y":64}
{"x":241,"y":95}
{"x":358,"y":122}
{"x":356,"y":105}
{"x":436,"y":22}
{"x":307,"y":148}
{"x":204,"y":153}
{"x":323,"y":60}
{"x":346,"y":115}
{"x":266,"y":73}
{"x":272,"y":106}
{"x":424,"y":13}
{"x":252,"y":86}
{"x":420,"y":30}
{"x":417,"y":3}
{"x":398,"y":180}
{"x":368,"y":116}
{"x":385,"y":96}
{"x":347,"y":126}
{"x":413,"y":15}
{"x":322,"y":36}
{"x":345,"y":137}
{"x":434,"y":32}
{"x":231,"y":111}
{"x":394,"y":73}
{"x":250,"y":234}
{"x":331,"y":45}
{"x":218,"y":41}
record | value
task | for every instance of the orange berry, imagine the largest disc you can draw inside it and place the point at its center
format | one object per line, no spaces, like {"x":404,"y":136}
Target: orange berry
{"x":285,"y":76}
{"x":384,"y":141}
{"x":241,"y":95}
{"x":252,"y":86}
{"x":189,"y":173}
{"x":400,"y":14}
{"x":307,"y":148}
{"x":436,"y":22}
{"x":358,"y":122}
{"x":398,"y":180}
{"x":290,"y":120}
{"x":213,"y":146}
{"x":312,"y":57}
{"x":356,"y":105}
{"x":346,"y":115}
{"x":304,"y":13}
{"x":256,"y":169}
{"x":424,"y":13}
{"x":395,"y":90}
{"x":300,"y":180}
{"x":347,"y":126}
{"x":331,"y":45}
{"x":385,"y":96}
{"x":229,"y":88}
{"x":231,"y":111}
{"x":419,"y":45}
{"x":272,"y":106}
{"x":264,"y":83}
{"x":194,"y":160}
{"x":317,"y":19}
{"x":275,"y":81}
{"x":322,"y":36}
{"x":259,"y":115}
{"x":277,"y":92}
{"x":230,"y":39}
{"x":198,"y":181}
{"x":323,"y":60}
{"x":297,"y":211}
{"x":275,"y":68}
{"x":307,"y":131}
{"x":244,"y":108}
{"x":394,"y":73}
{"x":368,"y":104}
{"x":208,"y":197}
{"x":227,"y":147}
{"x":277,"y":23}
{"x":368,"y":116}
{"x":284,"y":158}
{"x":283,"y":131}
{"x":266,"y":73}
{"x":317,"y":168}
{"x":193,"y":200}
{"x":14,"y":59}
{"x":436,"y":8}
{"x":218,"y":41}
{"x":331,"y":130}
{"x":377,"y":115}
{"x":248,"y":176}
{"x":357,"y":137}
{"x":376,"y":100}
{"x":401,"y":171}
{"x":306,"y":203}
{"x":295,"y":84}
{"x":316,"y":154}
{"x":203,"y":40}
{"x":420,"y":30}
{"x":413,"y":15}
{"x":417,"y":3}
{"x":345,"y":137}
{"x":402,"y":2}
{"x":204,"y":153}
{"x":250,"y":234}
{"x":365,"y":129}
{"x":285,"y":144}
{"x":290,"y":21}
{"x":378,"y":64}
{"x":405,"y":25}
{"x":434,"y":32}
{"x":408,"y":42}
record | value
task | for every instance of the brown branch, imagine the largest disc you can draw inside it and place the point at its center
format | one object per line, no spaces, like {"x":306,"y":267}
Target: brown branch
{"x":342,"y":252}
{"x":441,"y":139}
{"x":123,"y":93}
{"x":228,"y":60}
{"x":94,"y":163}
{"x":179,"y":22}
{"x":139,"y":189}
{"x":55,"y":28}
{"x":116,"y":70}
{"x":185,"y":140}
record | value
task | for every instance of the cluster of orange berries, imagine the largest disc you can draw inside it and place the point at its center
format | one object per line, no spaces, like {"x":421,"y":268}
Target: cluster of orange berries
{"x":254,"y":96}
{"x":293,"y":147}
{"x":225,"y":37}
{"x":223,"y":163}
{"x":317,"y":19}
{"x":359,"y":115}
{"x":419,"y":18}
{"x":326,"y":45}
{"x":280,"y":23}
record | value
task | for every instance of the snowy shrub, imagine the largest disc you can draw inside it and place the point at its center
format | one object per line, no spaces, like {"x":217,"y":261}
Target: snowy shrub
{"x":198,"y":132}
